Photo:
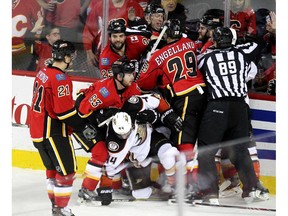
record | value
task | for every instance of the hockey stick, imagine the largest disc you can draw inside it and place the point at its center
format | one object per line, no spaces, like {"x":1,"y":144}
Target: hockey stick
{"x":76,"y":71}
{"x":149,"y":54}
{"x":157,"y":199}
{"x":107,"y":121}
{"x":193,"y":204}
{"x":234,"y":206}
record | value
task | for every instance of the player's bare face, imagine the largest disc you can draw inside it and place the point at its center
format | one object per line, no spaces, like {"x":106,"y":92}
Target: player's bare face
{"x":202,"y":32}
{"x":117,"y":40}
{"x":128,"y":79}
{"x":157,"y":20}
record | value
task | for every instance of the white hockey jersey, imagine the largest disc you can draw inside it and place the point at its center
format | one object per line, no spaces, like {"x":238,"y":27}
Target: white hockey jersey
{"x":137,"y":146}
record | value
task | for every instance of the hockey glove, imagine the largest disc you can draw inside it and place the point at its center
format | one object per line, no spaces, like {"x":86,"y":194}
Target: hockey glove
{"x":80,"y":97}
{"x":105,"y":194}
{"x":104,"y":114}
{"x":150,"y":116}
{"x":172,"y":120}
{"x":89,"y":132}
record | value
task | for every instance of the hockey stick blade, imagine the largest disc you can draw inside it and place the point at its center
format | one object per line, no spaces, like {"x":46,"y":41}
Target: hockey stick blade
{"x":234,"y":206}
{"x":139,"y":200}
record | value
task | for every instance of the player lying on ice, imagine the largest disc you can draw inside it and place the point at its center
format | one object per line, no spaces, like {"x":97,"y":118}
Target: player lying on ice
{"x":133,"y":142}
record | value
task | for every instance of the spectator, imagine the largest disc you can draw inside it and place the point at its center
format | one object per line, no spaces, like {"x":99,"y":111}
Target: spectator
{"x":227,"y":114}
{"x":128,"y":10}
{"x":42,"y":49}
{"x":119,"y":46}
{"x":243,"y":19}
{"x":143,"y":3}
{"x":27,"y":24}
{"x":175,"y":10}
{"x":65,"y":15}
{"x":52,"y":114}
{"x":268,"y":60}
{"x":270,"y":36}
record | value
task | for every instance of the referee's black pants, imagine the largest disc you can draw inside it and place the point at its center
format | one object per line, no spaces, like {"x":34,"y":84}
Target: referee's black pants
{"x":225,"y":124}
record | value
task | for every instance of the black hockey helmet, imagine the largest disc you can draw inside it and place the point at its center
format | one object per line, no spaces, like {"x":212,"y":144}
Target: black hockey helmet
{"x":147,"y":10}
{"x":122,"y":66}
{"x":116,"y":26}
{"x":213,"y":18}
{"x":62,"y":48}
{"x":223,"y":37}
{"x":174,"y":28}
{"x":156,"y":8}
{"x":214,"y":12}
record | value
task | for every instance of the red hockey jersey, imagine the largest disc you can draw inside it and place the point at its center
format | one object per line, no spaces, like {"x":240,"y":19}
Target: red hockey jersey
{"x":103,"y":94}
{"x":135,"y":45}
{"x":174,"y":67}
{"x":52,"y":103}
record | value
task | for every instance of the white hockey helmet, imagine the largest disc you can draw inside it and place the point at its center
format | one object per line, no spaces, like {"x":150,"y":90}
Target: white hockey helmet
{"x":122,"y":124}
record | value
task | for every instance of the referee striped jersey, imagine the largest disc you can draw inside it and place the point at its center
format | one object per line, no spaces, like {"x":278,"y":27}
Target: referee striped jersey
{"x":228,"y":70}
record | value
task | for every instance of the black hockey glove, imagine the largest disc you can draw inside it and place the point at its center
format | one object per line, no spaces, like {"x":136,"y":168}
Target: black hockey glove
{"x":89,"y":132}
{"x":150,"y":116}
{"x":80,"y":97}
{"x":105,"y":194}
{"x":103,"y":114}
{"x":172,"y":120}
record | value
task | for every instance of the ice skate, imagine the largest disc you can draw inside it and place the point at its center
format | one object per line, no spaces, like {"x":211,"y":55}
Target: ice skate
{"x":88,"y":197}
{"x":262,"y":193}
{"x":258,"y":193}
{"x":230,"y":187}
{"x":198,"y":197}
{"x":58,"y":211}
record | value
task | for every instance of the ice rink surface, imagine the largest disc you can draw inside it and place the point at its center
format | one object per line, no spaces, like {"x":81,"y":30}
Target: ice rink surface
{"x":29,"y":198}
